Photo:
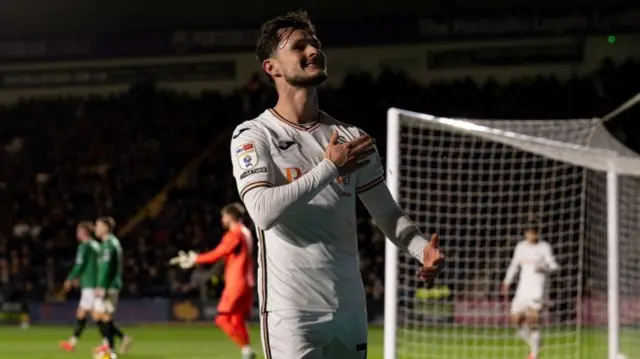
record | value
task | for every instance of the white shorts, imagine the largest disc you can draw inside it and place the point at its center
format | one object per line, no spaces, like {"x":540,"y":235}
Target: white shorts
{"x":294,"y":334}
{"x":108,"y":304}
{"x":87,"y":299}
{"x":519,"y":305}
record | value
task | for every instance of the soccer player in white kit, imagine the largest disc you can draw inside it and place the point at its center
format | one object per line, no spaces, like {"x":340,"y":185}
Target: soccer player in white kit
{"x":298,"y":171}
{"x":534,"y":258}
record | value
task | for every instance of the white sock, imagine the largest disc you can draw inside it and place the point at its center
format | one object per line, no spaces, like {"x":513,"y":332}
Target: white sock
{"x":247,"y":350}
{"x":535,"y":342}
{"x":524,"y":332}
{"x":73,"y":340}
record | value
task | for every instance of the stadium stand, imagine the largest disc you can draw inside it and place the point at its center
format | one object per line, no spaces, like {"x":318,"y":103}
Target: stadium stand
{"x":68,"y":159}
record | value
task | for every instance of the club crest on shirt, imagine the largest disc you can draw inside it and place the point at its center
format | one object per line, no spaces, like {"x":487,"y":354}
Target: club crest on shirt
{"x":292,"y":174}
{"x":247,"y":156}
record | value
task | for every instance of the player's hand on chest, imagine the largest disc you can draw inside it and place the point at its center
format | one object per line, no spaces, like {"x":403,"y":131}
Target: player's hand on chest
{"x":296,"y":152}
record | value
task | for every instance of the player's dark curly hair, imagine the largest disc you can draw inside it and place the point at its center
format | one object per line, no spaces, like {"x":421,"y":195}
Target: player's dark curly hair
{"x":273,"y":31}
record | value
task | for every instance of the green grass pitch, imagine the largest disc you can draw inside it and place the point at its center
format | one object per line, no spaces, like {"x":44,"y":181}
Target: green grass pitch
{"x":205,"y":341}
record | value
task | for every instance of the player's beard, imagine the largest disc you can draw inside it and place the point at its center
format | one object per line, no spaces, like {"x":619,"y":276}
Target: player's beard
{"x":307,"y":81}
{"x":303,"y":80}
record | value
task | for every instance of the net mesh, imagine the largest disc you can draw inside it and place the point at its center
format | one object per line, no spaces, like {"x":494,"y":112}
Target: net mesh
{"x":477,"y":193}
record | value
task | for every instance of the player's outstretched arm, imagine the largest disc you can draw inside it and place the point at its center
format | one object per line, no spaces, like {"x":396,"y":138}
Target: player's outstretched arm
{"x":397,"y":226}
{"x":393,"y":222}
{"x":228,"y":243}
{"x":384,"y":210}
{"x":254,"y":172}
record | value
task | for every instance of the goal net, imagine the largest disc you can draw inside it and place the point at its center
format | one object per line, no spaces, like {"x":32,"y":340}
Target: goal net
{"x":476,"y":182}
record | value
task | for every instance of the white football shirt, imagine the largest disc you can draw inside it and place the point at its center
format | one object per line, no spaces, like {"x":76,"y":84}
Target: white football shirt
{"x":309,"y":259}
{"x":529,"y":257}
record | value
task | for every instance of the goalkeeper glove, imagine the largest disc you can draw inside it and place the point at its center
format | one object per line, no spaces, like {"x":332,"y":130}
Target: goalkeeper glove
{"x":184,"y":260}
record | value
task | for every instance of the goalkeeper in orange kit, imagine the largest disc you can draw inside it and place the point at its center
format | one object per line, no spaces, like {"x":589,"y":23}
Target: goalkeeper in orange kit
{"x":237,"y":298}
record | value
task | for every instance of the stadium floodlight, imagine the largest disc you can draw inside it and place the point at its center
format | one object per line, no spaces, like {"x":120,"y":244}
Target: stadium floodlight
{"x":476,"y":182}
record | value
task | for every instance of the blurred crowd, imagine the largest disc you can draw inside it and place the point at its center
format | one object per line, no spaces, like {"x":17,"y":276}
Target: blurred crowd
{"x":70,"y":159}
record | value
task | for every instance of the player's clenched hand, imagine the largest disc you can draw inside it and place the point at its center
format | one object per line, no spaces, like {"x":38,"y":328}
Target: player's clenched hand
{"x":351,"y":155}
{"x":67,"y":285}
{"x":184,"y":260}
{"x":432,"y":260}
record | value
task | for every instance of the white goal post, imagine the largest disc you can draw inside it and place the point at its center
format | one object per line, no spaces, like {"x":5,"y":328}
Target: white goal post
{"x":476,"y":182}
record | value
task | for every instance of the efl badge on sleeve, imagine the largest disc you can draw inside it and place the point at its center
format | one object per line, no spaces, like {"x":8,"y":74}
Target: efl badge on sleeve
{"x":247,"y":156}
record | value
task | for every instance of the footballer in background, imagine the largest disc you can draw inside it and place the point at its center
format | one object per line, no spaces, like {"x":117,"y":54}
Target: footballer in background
{"x":299,"y":172}
{"x":108,"y":286}
{"x":85,"y":269}
{"x":236,"y":301}
{"x":535,"y":260}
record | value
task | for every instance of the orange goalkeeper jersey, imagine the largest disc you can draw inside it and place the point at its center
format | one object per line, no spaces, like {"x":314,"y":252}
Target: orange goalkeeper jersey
{"x":235,"y":249}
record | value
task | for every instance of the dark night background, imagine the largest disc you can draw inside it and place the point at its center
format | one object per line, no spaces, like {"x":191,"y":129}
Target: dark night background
{"x":141,"y":143}
{"x":20,"y":19}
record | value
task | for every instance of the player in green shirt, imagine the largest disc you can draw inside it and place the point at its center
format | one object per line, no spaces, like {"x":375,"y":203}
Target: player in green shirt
{"x":108,"y":285}
{"x":85,"y":269}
